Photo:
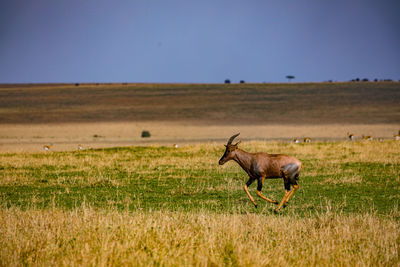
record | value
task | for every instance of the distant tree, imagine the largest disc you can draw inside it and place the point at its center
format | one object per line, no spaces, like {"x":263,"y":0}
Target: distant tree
{"x":375,"y":80}
{"x":227,"y":81}
{"x":242,"y":81}
{"x":357,"y":79}
{"x":290,"y":77}
{"x":365,"y":80}
{"x":77,"y":84}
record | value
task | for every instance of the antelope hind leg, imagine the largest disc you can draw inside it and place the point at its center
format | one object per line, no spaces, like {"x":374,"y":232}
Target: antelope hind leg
{"x":290,"y":174}
{"x":291,"y":193}
{"x":283,"y":201}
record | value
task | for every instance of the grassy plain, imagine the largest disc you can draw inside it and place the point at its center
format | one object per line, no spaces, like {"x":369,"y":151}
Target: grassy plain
{"x":203,"y":104}
{"x":132,"y":202}
{"x":159,"y":205}
{"x":107,"y":115}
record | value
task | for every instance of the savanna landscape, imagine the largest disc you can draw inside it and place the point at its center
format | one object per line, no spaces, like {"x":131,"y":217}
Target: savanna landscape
{"x":125,"y":200}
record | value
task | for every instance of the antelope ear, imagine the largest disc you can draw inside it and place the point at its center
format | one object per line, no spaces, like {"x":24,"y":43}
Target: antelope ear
{"x":238,"y":143}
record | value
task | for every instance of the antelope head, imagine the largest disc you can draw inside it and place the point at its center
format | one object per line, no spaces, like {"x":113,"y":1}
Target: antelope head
{"x":229,"y":151}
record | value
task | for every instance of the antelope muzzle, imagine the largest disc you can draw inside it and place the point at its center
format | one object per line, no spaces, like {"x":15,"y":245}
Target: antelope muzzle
{"x":225,"y":157}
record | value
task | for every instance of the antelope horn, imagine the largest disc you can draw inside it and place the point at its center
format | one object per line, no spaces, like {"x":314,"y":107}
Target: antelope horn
{"x":231,"y":139}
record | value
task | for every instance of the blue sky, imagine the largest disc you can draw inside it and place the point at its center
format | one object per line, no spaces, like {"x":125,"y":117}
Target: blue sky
{"x":198,"y":41}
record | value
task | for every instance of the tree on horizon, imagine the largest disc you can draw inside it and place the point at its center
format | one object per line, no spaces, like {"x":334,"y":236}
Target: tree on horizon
{"x":290,"y":77}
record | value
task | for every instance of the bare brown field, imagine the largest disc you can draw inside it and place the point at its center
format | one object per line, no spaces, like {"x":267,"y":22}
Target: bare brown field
{"x":308,"y":103}
{"x":67,"y":136}
{"x":102,"y":115}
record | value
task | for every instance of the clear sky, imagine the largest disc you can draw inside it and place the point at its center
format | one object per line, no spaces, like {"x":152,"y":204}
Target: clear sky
{"x":204,"y":41}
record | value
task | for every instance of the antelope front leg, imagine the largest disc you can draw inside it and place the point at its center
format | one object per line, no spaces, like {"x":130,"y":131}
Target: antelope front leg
{"x":259,"y":188}
{"x":249,"y":182}
{"x":267,"y":199}
{"x":248,"y":194}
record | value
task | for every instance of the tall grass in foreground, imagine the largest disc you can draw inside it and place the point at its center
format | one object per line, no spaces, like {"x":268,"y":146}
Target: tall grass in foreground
{"x":99,"y":238}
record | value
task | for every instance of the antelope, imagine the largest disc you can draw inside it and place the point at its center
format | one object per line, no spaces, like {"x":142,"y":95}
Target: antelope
{"x":350,"y":136}
{"x":260,"y":166}
{"x":307,"y":140}
{"x":47,"y":147}
{"x":80,"y":147}
{"x":397,"y":137}
{"x":367,"y":137}
{"x":296,"y":141}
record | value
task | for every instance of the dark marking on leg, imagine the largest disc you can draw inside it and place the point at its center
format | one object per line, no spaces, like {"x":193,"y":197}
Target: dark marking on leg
{"x":259,"y":184}
{"x":250,"y":181}
{"x":287,"y":186}
{"x":259,"y":188}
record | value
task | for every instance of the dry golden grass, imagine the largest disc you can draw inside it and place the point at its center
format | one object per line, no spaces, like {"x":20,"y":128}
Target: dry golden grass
{"x":87,"y":237}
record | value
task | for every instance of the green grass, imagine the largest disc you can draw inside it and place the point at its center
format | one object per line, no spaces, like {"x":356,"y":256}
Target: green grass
{"x":347,"y":177}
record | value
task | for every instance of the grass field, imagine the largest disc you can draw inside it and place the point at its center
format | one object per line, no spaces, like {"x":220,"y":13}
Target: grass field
{"x":355,"y":176}
{"x":164,"y":206}
{"x":203,"y":104}
{"x":129,"y":201}
{"x":109,"y":115}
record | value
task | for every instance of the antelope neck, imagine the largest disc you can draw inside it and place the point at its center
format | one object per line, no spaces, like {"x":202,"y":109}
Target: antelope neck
{"x":243,"y":158}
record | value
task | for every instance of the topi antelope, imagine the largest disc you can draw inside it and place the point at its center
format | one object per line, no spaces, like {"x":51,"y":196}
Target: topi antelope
{"x":307,"y":140}
{"x":367,"y":137}
{"x":47,"y":147}
{"x":260,"y":166}
{"x":350,"y":136}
